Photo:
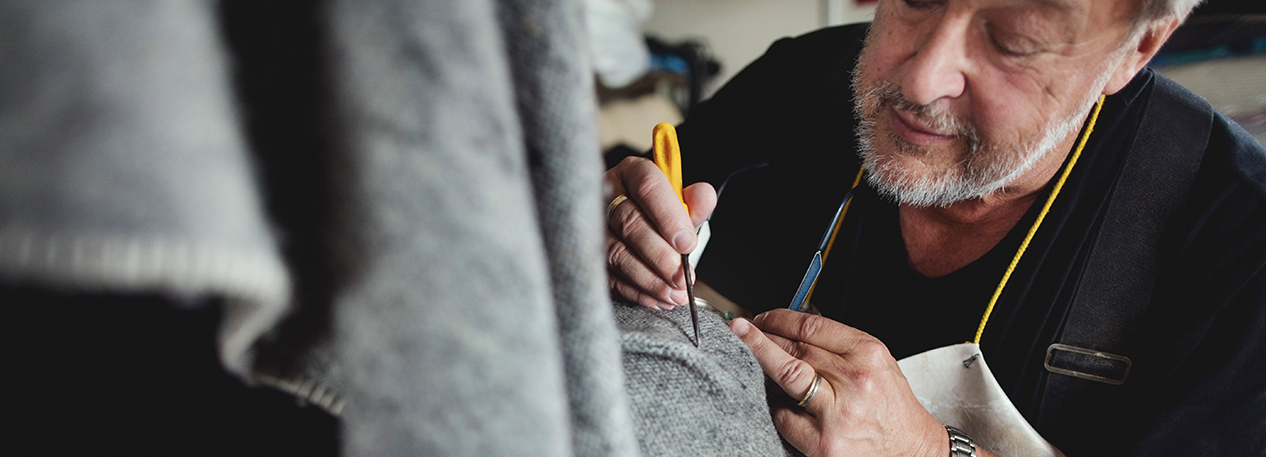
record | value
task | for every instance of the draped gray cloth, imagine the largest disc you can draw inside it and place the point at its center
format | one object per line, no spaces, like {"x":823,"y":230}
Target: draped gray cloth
{"x":556,"y":108}
{"x":445,"y":336}
{"x":452,"y":342}
{"x":397,"y":203}
{"x":122,"y":165}
{"x":459,"y":304}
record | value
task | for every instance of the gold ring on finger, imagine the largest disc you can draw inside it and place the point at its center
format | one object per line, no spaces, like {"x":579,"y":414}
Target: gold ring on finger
{"x":615,"y":203}
{"x":813,"y":390}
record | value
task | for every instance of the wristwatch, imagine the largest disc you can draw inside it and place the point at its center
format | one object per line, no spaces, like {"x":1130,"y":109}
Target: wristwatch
{"x":961,"y":445}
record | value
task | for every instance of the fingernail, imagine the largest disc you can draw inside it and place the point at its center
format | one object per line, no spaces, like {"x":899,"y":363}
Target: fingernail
{"x":679,"y":297}
{"x":666,"y":306}
{"x":759,"y":318}
{"x":679,"y":278}
{"x":680,"y":240}
{"x":740,"y":326}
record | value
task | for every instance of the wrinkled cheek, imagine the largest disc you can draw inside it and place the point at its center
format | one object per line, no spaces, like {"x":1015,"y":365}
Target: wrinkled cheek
{"x":889,"y":47}
{"x":1008,"y":121}
{"x":870,"y":74}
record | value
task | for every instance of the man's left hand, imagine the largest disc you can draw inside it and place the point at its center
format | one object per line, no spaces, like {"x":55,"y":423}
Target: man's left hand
{"x":863,"y":406}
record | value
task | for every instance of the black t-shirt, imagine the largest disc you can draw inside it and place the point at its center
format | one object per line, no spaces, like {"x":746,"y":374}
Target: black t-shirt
{"x":869,"y":282}
{"x":1198,"y":383}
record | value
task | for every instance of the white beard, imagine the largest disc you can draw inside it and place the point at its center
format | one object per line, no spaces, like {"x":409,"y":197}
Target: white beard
{"x":984,"y":169}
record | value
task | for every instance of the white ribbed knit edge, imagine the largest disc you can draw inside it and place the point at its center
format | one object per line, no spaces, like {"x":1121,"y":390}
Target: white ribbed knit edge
{"x":252,"y":279}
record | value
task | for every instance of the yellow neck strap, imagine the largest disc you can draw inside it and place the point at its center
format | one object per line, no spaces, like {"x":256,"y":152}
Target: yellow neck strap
{"x":1081,"y":144}
{"x":1090,"y":127}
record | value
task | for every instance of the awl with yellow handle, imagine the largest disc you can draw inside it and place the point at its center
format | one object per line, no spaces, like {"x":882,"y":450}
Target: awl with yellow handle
{"x":668,"y":159}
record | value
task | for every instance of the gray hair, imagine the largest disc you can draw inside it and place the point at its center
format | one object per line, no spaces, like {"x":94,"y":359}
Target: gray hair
{"x":1163,"y":9}
{"x":1156,"y":10}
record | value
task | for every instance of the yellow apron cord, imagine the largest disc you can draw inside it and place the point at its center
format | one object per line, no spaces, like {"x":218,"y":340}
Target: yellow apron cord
{"x":836,"y":230}
{"x":1094,"y":116}
{"x":1081,"y":144}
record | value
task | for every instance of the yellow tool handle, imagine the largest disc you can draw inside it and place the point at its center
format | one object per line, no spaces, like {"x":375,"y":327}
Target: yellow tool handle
{"x":668,"y":157}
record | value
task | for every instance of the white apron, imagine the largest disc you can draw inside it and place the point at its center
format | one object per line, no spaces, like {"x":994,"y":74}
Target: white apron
{"x":955,"y":385}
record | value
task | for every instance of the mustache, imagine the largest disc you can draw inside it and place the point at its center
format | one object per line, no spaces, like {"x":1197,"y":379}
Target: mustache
{"x":888,"y":95}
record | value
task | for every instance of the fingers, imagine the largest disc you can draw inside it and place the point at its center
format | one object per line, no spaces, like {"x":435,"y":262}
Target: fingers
{"x":795,"y":348}
{"x":649,"y":188}
{"x":860,"y":353}
{"x":815,"y":330}
{"x":702,"y":199}
{"x":793,"y":375}
{"x":640,"y":255}
{"x":622,"y":288}
{"x":863,"y":406}
{"x":797,"y":427}
{"x":630,"y":277}
{"x":648,"y":232}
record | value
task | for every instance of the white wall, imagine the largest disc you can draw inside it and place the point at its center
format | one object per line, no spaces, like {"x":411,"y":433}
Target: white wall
{"x":739,"y":31}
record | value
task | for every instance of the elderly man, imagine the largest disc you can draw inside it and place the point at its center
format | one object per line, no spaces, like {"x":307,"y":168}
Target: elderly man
{"x":985,"y":143}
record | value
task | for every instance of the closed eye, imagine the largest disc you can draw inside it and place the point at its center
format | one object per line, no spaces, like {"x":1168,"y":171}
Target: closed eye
{"x":1013,"y":46}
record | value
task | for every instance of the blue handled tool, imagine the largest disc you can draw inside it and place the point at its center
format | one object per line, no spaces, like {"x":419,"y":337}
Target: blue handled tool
{"x":815,"y":265}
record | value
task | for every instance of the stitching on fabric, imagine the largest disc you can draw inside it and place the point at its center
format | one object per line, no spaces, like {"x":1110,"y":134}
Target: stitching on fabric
{"x":678,"y":352}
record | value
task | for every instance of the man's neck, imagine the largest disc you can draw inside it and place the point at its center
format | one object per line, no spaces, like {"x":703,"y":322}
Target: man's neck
{"x":941,"y":240}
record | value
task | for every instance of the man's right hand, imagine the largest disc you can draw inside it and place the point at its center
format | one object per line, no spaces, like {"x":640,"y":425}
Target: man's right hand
{"x":648,"y":233}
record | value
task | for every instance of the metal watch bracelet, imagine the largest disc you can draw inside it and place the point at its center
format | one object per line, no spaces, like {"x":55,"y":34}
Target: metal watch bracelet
{"x":961,"y":444}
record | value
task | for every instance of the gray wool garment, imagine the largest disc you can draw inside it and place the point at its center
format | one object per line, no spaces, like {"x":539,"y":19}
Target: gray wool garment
{"x":554,"y":91}
{"x":691,"y":401}
{"x":122,"y":165}
{"x":463,"y":311}
{"x":446,"y":339}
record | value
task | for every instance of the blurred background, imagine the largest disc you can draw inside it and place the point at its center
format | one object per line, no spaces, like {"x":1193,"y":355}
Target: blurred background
{"x":655,"y":59}
{"x":287,"y":134}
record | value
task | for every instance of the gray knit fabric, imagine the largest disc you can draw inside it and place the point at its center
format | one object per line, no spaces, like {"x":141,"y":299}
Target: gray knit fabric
{"x":446,"y":341}
{"x":554,"y":89}
{"x":690,"y":401}
{"x":464,"y":312}
{"x":122,"y":167}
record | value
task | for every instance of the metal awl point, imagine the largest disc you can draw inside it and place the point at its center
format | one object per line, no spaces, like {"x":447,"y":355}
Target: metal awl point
{"x":690,"y":293}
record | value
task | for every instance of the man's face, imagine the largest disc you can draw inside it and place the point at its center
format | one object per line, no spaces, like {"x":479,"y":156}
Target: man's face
{"x":959,"y":98}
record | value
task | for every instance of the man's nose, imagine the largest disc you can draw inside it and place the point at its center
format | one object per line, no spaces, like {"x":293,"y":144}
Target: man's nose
{"x":938,"y":67}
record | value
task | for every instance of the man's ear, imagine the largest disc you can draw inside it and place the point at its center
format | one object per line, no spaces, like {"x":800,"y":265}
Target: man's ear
{"x":1153,"y":38}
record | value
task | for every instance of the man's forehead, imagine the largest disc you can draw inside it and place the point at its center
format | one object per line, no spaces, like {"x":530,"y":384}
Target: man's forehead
{"x":1075,"y":18}
{"x":1053,"y":7}
{"x":1064,"y":6}
{"x":1070,"y":7}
